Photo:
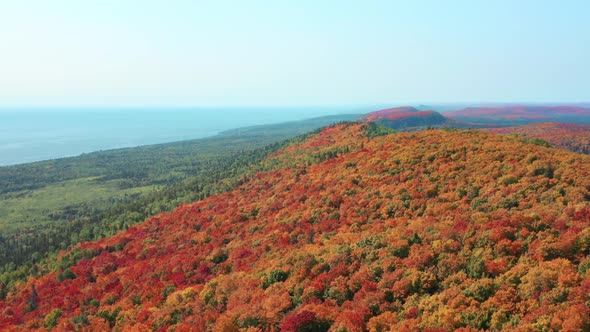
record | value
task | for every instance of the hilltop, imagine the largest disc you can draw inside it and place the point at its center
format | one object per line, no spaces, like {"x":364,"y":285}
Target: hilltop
{"x":408,"y":118}
{"x":340,"y":231}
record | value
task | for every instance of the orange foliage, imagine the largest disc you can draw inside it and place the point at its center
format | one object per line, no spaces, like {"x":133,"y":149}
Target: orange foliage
{"x":424,"y":231}
{"x":575,"y":137}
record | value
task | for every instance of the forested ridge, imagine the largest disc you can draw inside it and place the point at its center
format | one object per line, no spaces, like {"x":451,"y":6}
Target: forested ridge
{"x":522,"y":114}
{"x":50,"y":205}
{"x":351,"y":229}
{"x":571,"y":136}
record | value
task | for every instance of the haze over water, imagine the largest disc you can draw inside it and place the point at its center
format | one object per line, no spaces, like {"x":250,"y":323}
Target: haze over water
{"x":35,"y":134}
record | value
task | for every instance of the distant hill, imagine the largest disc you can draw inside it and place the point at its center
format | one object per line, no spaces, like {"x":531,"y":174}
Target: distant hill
{"x":425,"y":231}
{"x":574,"y":137}
{"x":514,"y":115}
{"x":408,"y":118}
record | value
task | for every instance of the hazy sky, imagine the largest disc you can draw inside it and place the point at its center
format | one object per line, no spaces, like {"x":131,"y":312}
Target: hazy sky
{"x":317,"y":52}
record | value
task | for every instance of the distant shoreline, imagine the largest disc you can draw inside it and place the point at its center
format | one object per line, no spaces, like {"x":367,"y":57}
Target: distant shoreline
{"x":58,"y":134}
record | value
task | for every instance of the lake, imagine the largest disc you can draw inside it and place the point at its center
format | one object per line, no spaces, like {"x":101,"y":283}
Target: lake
{"x":28,"y":135}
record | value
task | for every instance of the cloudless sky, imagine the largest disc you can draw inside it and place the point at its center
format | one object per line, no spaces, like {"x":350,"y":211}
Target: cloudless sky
{"x":300,"y":52}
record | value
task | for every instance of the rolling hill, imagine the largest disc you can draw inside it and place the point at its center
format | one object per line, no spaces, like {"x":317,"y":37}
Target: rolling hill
{"x":518,"y":115}
{"x":408,"y":118}
{"x":574,"y":137}
{"x":47,"y":206}
{"x":434,"y":230}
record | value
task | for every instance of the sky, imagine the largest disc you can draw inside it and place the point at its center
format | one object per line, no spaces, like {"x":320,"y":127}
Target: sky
{"x":63,"y":53}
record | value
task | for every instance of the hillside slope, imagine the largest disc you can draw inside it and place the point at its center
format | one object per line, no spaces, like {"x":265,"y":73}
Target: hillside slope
{"x":520,"y":114}
{"x":46,"y":206}
{"x":574,"y":137}
{"x":448,"y":230}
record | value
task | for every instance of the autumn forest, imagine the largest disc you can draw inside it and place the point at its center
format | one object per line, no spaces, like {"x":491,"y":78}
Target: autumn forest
{"x":355,"y":227}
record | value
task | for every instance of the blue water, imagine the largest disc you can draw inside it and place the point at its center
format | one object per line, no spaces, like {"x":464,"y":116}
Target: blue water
{"x":41,"y":134}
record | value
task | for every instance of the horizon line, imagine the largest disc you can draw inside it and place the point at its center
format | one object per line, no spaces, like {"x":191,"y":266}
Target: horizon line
{"x":290,"y":106}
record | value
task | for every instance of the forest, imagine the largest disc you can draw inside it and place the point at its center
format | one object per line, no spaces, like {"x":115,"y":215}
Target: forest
{"x":352,"y":228}
{"x":48,"y":206}
{"x":571,"y":136}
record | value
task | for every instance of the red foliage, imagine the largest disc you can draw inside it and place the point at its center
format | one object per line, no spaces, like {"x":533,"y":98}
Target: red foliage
{"x":431,"y":229}
{"x":518,"y":112}
{"x":298,"y":322}
{"x":395,"y":114}
{"x":574,"y":137}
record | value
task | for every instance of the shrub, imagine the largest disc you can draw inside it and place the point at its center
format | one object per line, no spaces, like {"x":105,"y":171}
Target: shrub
{"x":52,"y":318}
